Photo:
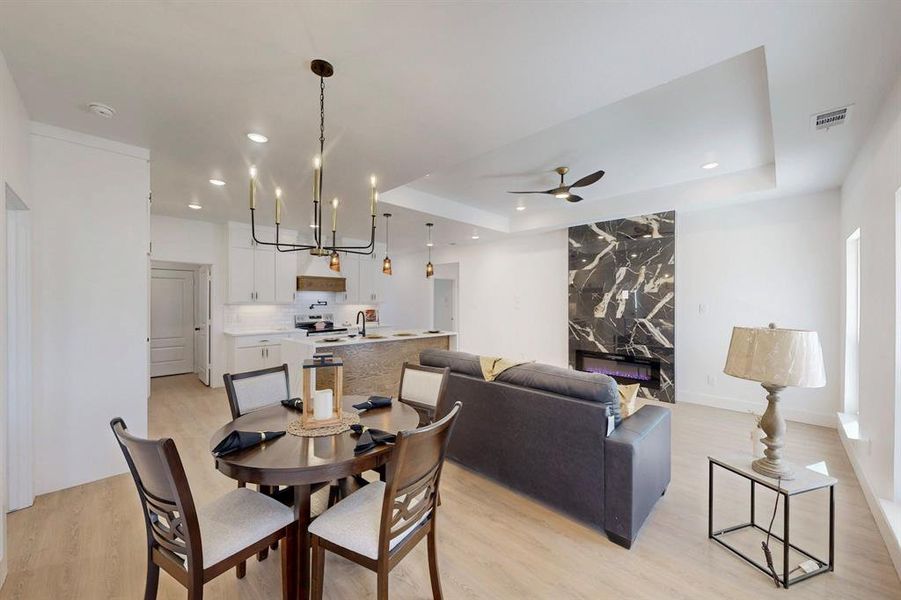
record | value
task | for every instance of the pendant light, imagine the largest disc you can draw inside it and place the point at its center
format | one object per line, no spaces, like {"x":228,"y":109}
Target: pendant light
{"x":429,"y":269}
{"x":386,"y":264}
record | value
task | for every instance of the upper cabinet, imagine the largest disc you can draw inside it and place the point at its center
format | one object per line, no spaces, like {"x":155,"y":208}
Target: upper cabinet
{"x":257,"y":273}
{"x":364,"y":277}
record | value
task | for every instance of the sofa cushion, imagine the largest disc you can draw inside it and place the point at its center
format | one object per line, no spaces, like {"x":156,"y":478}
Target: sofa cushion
{"x":566,"y":382}
{"x":556,"y":380}
{"x":459,"y":362}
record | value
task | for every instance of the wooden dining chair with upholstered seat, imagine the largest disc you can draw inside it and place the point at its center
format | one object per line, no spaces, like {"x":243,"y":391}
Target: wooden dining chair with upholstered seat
{"x":196,"y":544}
{"x":422,"y":387}
{"x":378,"y":525}
{"x":251,"y":391}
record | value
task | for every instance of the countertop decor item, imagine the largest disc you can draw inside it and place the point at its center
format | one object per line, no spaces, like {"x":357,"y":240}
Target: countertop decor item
{"x":777,"y":358}
{"x":320,"y":247}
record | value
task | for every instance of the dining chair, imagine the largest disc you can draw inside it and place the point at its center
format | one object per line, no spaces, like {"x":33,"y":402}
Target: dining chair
{"x":378,"y":525}
{"x":246,"y":393}
{"x":196,"y":544}
{"x":422,"y":387}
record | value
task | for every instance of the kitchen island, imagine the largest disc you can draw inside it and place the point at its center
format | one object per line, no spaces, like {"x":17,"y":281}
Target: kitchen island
{"x":372,"y":364}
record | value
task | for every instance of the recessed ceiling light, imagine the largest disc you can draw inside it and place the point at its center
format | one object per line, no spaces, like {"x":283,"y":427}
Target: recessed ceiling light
{"x":710,"y":165}
{"x":430,"y":244}
{"x":195,"y":205}
{"x":259,"y":138}
{"x":218,"y":182}
{"x":520,"y":208}
{"x":102,"y":110}
{"x":475,"y":236}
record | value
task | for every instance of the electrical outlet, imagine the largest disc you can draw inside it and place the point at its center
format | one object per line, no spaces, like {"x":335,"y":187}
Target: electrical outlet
{"x":711,"y":380}
{"x":702,"y":308}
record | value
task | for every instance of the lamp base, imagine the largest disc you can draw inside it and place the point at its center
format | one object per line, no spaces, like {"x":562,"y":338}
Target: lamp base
{"x":772,"y":468}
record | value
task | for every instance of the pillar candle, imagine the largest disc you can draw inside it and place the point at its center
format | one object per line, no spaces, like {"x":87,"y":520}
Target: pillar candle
{"x":322,"y":404}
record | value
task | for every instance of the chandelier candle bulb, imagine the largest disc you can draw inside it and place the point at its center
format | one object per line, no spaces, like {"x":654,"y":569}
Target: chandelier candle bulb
{"x":253,"y":189}
{"x":278,"y":206}
{"x":317,"y":178}
{"x":372,"y":195}
{"x":334,"y":215}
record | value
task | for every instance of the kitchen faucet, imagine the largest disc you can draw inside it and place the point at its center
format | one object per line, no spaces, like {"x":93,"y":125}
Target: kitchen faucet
{"x":362,"y":314}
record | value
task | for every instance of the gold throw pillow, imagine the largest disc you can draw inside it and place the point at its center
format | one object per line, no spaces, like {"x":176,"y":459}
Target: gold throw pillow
{"x":627,"y":395}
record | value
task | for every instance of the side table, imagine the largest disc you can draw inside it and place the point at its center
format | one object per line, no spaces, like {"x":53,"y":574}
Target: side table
{"x":805,"y":481}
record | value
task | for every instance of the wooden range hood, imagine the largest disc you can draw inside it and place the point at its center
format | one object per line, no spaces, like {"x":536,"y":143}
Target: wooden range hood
{"x":317,"y":283}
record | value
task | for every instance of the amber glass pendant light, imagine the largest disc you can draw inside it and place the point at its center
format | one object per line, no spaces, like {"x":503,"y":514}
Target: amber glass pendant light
{"x":386,"y":264}
{"x":429,"y":269}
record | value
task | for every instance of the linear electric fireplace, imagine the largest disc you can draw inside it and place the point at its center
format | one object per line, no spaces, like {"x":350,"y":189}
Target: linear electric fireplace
{"x":623,"y":368}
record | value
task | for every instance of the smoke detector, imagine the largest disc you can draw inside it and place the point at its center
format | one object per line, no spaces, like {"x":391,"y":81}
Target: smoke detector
{"x":830,"y":118}
{"x":102,"y":110}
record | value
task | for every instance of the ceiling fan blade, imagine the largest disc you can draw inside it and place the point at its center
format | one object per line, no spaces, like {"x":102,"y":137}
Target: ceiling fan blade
{"x":573,"y":198}
{"x":588,"y":179}
{"x":546,"y":192}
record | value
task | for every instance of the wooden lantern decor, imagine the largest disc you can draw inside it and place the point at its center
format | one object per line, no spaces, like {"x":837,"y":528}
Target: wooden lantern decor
{"x":321,"y":408}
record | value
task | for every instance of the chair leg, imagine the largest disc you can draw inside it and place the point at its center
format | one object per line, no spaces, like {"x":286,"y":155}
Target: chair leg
{"x":382,"y":583}
{"x":318,"y":570}
{"x":289,"y":564}
{"x":433,"y":563}
{"x":267,"y":490}
{"x":153,"y":578}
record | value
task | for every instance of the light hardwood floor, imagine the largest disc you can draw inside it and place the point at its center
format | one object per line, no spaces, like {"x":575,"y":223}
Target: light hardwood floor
{"x":87,"y":542}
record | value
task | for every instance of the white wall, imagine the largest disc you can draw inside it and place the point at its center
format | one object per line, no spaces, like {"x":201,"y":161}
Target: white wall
{"x":512,"y":295}
{"x":91,"y":238}
{"x":752,"y":264}
{"x":189,"y":241}
{"x":869,"y":203}
{"x":748,"y":264}
{"x":14,"y":170}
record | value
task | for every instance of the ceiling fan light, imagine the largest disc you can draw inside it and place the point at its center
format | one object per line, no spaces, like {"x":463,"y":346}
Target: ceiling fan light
{"x":562,"y":195}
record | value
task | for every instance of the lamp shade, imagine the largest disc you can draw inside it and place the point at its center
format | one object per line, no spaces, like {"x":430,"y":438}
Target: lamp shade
{"x":784,"y":357}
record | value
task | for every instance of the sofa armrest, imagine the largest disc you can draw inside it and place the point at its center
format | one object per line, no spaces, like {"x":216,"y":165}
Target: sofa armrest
{"x":637,"y":471}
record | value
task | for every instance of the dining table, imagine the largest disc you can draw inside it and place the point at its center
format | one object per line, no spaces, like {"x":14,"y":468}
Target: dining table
{"x":304,"y":462}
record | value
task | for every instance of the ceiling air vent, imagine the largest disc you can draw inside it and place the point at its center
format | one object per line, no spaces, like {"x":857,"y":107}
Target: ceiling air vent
{"x":831,"y":118}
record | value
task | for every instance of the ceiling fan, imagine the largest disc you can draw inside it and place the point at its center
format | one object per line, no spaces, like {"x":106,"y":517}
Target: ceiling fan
{"x":562,"y":191}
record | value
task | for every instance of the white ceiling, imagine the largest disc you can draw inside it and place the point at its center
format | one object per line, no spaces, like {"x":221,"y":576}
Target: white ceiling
{"x":425,"y":88}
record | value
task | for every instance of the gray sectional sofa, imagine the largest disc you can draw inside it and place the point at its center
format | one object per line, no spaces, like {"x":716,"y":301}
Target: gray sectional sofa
{"x":541,"y":430}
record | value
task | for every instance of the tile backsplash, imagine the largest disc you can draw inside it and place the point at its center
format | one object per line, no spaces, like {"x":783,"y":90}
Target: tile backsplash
{"x":266,"y":317}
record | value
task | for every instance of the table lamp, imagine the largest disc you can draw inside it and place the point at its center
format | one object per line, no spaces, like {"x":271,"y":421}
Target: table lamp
{"x":777,"y":358}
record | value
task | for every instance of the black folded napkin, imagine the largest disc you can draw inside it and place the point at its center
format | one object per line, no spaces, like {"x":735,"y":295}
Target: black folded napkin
{"x":241,"y":440}
{"x":370,"y":438}
{"x":295,"y":403}
{"x":373,"y":402}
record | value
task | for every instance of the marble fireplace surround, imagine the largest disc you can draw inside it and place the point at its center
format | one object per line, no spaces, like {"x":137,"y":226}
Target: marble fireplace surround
{"x":622,"y":292}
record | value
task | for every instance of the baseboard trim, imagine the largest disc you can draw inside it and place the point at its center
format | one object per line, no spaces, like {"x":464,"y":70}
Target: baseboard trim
{"x":883,"y":523}
{"x":734,"y":404}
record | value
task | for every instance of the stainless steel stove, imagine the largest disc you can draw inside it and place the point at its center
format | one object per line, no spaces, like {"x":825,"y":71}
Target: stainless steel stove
{"x":309,"y":324}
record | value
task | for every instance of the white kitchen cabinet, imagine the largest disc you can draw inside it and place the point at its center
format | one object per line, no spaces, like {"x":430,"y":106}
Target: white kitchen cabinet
{"x":350,"y":271}
{"x":251,"y":353}
{"x":286,"y":272}
{"x":257,"y":273}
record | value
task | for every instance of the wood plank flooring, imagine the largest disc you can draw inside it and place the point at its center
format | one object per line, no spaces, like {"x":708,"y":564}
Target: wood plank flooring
{"x":88,"y":542}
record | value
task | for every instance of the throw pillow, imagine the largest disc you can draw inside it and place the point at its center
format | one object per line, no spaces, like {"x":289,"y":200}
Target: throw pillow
{"x":627,"y":395}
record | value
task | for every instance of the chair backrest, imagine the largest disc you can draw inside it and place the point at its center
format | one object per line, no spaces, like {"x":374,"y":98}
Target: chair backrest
{"x":256,"y":389}
{"x":169,"y":512}
{"x":422,"y":385}
{"x":413,"y":476}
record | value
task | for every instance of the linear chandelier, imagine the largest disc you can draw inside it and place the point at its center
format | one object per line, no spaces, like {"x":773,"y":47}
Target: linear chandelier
{"x":319,"y":248}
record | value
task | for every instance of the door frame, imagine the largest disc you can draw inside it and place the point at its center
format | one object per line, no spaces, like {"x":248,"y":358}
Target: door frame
{"x":18,"y":468}
{"x":195,"y":268}
{"x":447,"y":271}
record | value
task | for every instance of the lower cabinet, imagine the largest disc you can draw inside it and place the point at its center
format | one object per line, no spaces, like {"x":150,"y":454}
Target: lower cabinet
{"x":251,"y":353}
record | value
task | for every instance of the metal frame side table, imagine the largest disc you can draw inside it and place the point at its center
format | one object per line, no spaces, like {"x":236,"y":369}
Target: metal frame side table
{"x":805,"y":481}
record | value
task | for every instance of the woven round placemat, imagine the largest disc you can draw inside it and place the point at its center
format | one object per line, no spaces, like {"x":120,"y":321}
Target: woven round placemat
{"x":347,"y":419}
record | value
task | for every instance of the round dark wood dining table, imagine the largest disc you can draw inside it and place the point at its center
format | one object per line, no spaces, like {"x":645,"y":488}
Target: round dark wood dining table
{"x":302,"y":462}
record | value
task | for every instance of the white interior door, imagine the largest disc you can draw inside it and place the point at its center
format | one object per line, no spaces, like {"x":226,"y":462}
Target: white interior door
{"x":202,"y":290}
{"x":171,"y":322}
{"x":444,"y":304}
